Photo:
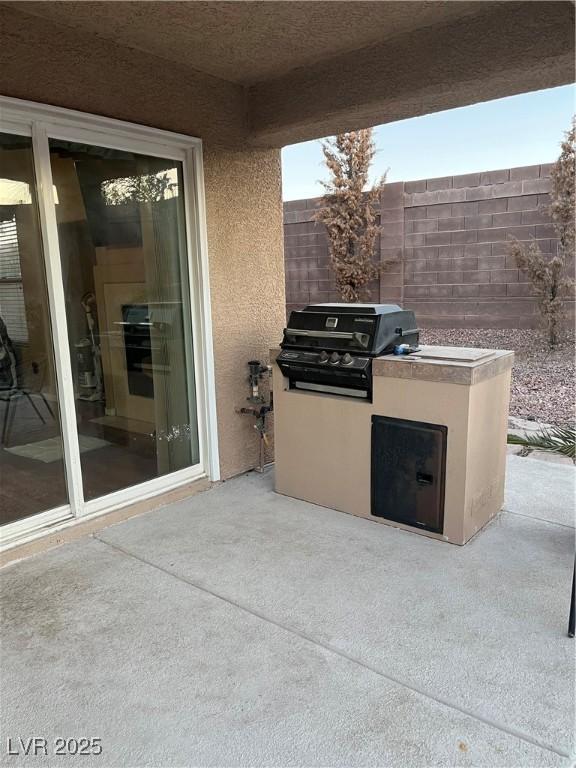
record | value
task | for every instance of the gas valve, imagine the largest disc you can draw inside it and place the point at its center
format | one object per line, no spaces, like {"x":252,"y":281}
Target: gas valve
{"x":257,"y":371}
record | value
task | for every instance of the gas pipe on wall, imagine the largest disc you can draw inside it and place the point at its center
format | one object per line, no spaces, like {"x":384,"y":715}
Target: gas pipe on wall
{"x":259,"y":408}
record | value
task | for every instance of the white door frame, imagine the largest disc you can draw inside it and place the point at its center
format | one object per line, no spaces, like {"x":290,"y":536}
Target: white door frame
{"x":42,"y":122}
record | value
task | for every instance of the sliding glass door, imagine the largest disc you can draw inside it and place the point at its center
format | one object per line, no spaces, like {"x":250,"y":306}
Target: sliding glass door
{"x":32,"y":474}
{"x":104,"y":377}
{"x":122,"y":242}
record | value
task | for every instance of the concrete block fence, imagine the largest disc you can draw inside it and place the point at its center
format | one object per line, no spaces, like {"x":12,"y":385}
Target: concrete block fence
{"x":447,"y":241}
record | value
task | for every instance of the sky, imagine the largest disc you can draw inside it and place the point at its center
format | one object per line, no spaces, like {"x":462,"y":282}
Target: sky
{"x":519,"y":130}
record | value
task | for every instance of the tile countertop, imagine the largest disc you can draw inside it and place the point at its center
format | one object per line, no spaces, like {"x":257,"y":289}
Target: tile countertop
{"x":453,"y":365}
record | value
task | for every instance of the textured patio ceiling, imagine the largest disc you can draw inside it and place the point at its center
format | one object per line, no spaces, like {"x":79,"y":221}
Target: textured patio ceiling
{"x":290,"y":71}
{"x":249,"y":42}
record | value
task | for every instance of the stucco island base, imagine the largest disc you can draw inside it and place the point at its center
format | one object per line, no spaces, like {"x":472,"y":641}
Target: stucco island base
{"x":322,"y":442}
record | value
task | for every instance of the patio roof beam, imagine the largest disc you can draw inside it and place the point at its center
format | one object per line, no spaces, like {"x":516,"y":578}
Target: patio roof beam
{"x":511,"y":48}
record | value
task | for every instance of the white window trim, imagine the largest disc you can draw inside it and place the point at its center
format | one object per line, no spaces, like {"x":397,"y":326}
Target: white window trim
{"x":43,"y":121}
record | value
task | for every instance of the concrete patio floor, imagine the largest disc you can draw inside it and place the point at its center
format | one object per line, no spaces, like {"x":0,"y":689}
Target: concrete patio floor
{"x":244,"y":628}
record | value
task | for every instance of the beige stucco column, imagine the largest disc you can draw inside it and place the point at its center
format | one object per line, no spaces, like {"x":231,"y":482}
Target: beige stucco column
{"x":246,"y":262}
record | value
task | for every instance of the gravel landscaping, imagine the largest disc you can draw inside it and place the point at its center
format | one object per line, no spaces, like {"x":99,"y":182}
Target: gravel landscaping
{"x":542,"y":380}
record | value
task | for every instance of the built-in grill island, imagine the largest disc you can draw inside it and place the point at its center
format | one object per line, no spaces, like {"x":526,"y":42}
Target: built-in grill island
{"x":415,"y":440}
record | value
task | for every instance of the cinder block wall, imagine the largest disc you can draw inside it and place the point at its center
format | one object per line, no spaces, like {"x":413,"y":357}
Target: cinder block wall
{"x":447,"y":241}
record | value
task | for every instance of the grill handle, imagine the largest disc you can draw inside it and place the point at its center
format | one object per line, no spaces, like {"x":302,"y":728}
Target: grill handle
{"x":361,"y":338}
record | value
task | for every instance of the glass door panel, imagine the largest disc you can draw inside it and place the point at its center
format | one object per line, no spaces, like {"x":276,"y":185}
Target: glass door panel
{"x":122,"y":238}
{"x":32,"y":473}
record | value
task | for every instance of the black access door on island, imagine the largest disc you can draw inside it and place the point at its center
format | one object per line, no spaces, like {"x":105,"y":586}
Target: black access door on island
{"x":408,"y":472}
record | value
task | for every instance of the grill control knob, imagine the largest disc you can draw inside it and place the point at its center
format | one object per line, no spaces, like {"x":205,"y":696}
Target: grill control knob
{"x":347,"y":359}
{"x":323,"y":357}
{"x":334,"y":358}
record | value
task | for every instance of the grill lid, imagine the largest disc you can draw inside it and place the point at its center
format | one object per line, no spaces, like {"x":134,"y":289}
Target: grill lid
{"x":368,"y":329}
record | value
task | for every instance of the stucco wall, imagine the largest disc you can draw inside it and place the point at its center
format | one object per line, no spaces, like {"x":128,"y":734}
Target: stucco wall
{"x":243,"y":193}
{"x":244,"y":216}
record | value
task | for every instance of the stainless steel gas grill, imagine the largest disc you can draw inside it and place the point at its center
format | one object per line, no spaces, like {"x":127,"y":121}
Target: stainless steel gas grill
{"x":329,"y":347}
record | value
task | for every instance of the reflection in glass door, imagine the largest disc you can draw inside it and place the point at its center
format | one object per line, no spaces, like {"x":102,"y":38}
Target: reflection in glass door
{"x":122,"y":239}
{"x":32,"y":474}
